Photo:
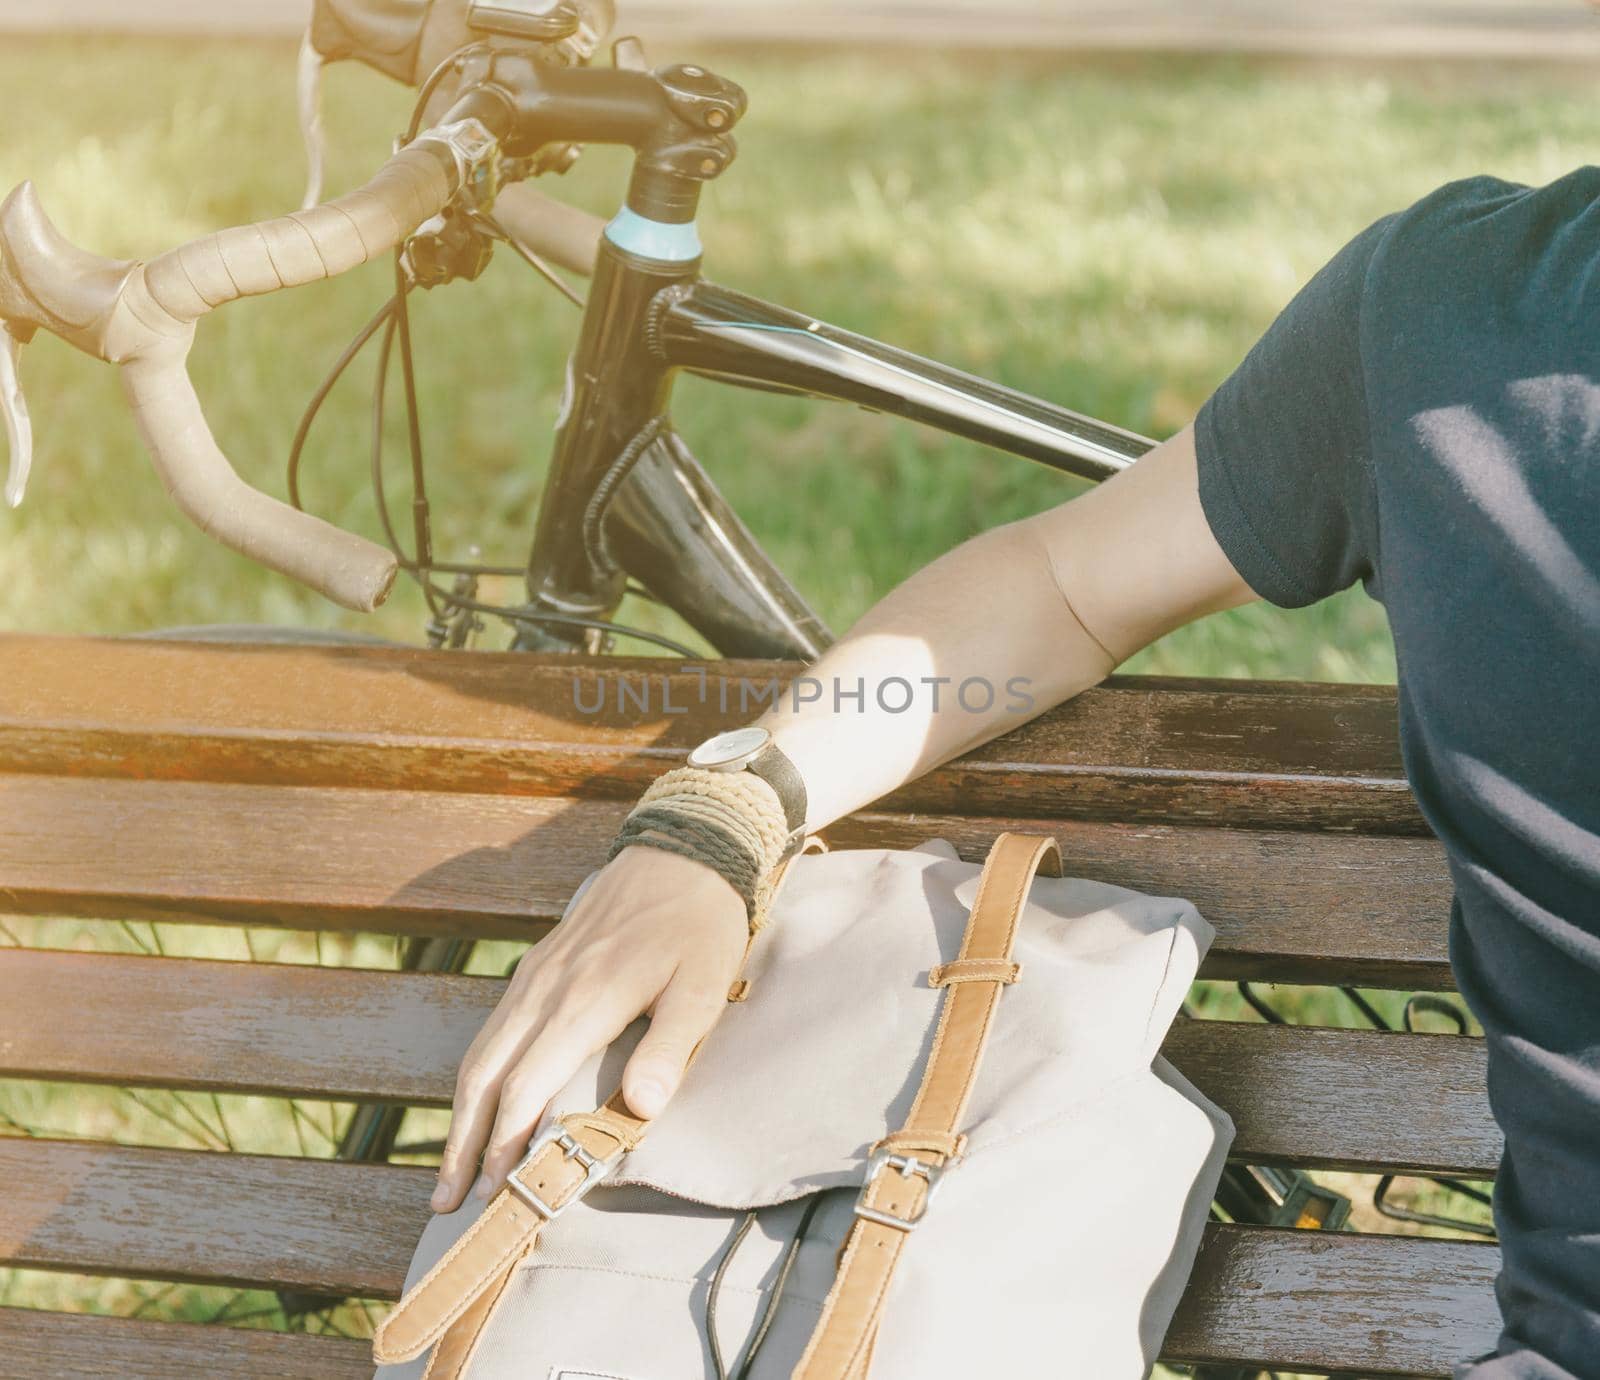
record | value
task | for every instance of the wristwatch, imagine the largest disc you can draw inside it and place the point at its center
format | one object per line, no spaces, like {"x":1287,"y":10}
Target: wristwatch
{"x":752,"y":750}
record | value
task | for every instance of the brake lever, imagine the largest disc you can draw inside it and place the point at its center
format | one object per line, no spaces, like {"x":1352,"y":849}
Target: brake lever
{"x":141,"y":317}
{"x":308,"y":87}
{"x":19,"y":427}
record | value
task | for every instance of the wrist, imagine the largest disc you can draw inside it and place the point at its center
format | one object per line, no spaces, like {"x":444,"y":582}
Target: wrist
{"x":732,"y":821}
{"x":654,"y":874}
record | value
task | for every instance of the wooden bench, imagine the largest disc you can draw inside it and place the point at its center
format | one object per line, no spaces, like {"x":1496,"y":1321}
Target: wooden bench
{"x":360,"y":789}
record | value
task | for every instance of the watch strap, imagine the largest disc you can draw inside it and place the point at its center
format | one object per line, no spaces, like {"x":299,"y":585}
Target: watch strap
{"x":773,"y":766}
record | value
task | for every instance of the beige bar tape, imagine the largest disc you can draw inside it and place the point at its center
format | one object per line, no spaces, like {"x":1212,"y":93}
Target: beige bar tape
{"x":142,"y":315}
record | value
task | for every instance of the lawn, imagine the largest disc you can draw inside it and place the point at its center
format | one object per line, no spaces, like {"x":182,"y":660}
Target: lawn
{"x":1112,"y":235}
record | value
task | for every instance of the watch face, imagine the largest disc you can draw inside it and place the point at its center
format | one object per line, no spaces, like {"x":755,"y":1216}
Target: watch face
{"x":730,"y":751}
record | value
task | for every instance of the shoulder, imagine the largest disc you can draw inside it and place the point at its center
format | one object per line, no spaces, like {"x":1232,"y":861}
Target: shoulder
{"x":1485,"y":243}
{"x":1492,"y":206}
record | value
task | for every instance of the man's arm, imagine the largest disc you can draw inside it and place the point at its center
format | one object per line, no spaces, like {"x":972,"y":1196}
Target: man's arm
{"x":1055,"y":600}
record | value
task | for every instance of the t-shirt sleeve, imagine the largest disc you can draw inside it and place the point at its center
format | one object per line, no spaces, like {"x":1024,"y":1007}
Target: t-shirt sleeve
{"x":1282,"y":445}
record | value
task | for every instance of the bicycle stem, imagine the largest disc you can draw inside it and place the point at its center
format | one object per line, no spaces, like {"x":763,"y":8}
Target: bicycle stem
{"x":677,"y":120}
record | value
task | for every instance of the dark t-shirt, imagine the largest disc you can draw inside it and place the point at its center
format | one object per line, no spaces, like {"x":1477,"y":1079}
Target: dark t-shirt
{"x":1425,"y":418}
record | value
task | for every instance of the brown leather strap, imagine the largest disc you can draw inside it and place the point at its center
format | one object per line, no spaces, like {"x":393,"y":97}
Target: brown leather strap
{"x":452,"y":1303}
{"x":559,"y":1168}
{"x":453,"y":1352}
{"x":904,"y":1168}
{"x":973,"y":970}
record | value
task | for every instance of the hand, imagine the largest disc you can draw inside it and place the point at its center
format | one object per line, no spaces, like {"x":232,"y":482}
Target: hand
{"x":654,"y":933}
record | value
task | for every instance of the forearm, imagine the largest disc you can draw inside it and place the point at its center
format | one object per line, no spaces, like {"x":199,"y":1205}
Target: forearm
{"x":1025,"y":616}
{"x":1007,"y":618}
{"x":965,"y":650}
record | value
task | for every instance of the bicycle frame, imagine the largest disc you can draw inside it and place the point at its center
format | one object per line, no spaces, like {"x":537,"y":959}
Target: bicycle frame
{"x":650,"y":511}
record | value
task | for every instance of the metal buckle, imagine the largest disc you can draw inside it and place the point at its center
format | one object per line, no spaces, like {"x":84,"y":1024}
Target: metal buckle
{"x":907,"y":1166}
{"x":594,"y":1169}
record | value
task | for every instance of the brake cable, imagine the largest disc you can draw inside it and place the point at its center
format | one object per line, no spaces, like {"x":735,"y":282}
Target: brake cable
{"x":534,"y":261}
{"x":309,"y":416}
{"x":437,"y":595}
{"x":392,"y":319}
{"x":430,"y":85}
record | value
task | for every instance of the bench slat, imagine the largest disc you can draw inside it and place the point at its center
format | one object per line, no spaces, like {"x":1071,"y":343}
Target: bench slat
{"x":1279,"y":1298}
{"x":1319,"y":1301}
{"x":1288,"y":905}
{"x":1256,"y":754}
{"x":1344,"y":1099}
{"x":256,"y":1221}
{"x":69,"y":1346}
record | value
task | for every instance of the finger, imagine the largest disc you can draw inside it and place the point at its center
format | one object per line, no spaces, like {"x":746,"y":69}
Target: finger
{"x":511,"y":1027}
{"x":684,"y":1012}
{"x":547,"y":1066}
{"x":478,"y":1090}
{"x":470,"y":1118}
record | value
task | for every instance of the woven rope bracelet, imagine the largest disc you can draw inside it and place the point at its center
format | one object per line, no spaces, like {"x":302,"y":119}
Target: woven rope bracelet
{"x":730,"y":821}
{"x":662,"y":827}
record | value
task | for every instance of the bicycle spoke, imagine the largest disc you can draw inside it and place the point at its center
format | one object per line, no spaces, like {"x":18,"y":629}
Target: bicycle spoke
{"x":225,"y":1314}
{"x":133,"y":934}
{"x":331,"y":1327}
{"x":137,"y":1098}
{"x":222,"y":1121}
{"x":328,"y":1133}
{"x":297,"y":1119}
{"x":40,"y":1132}
{"x":150,"y":1300}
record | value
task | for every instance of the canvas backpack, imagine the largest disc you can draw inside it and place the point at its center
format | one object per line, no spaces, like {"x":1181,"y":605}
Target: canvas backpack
{"x":930,"y":1136}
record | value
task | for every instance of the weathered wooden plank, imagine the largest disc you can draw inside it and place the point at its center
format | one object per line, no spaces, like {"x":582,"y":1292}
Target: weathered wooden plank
{"x":412,"y":862}
{"x":1335,"y":1301}
{"x":1244,"y":753}
{"x":346,"y":1034}
{"x":41,"y":1345}
{"x":1320,"y":1301}
{"x":1288,"y":905}
{"x":1345,"y":1099}
{"x":256,"y":1221}
{"x":1294,"y":906}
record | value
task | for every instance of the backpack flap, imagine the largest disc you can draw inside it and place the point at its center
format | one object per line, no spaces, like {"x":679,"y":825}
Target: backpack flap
{"x":824,"y":1056}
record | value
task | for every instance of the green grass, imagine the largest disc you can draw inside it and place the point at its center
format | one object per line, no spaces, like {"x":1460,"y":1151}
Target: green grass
{"x":1109,"y":235}
{"x":1112,"y":235}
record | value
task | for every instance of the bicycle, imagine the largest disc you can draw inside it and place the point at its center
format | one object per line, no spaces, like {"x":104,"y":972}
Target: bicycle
{"x":511,"y":91}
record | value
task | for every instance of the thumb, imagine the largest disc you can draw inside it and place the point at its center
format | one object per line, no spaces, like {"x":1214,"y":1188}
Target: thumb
{"x":684,"y":1012}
